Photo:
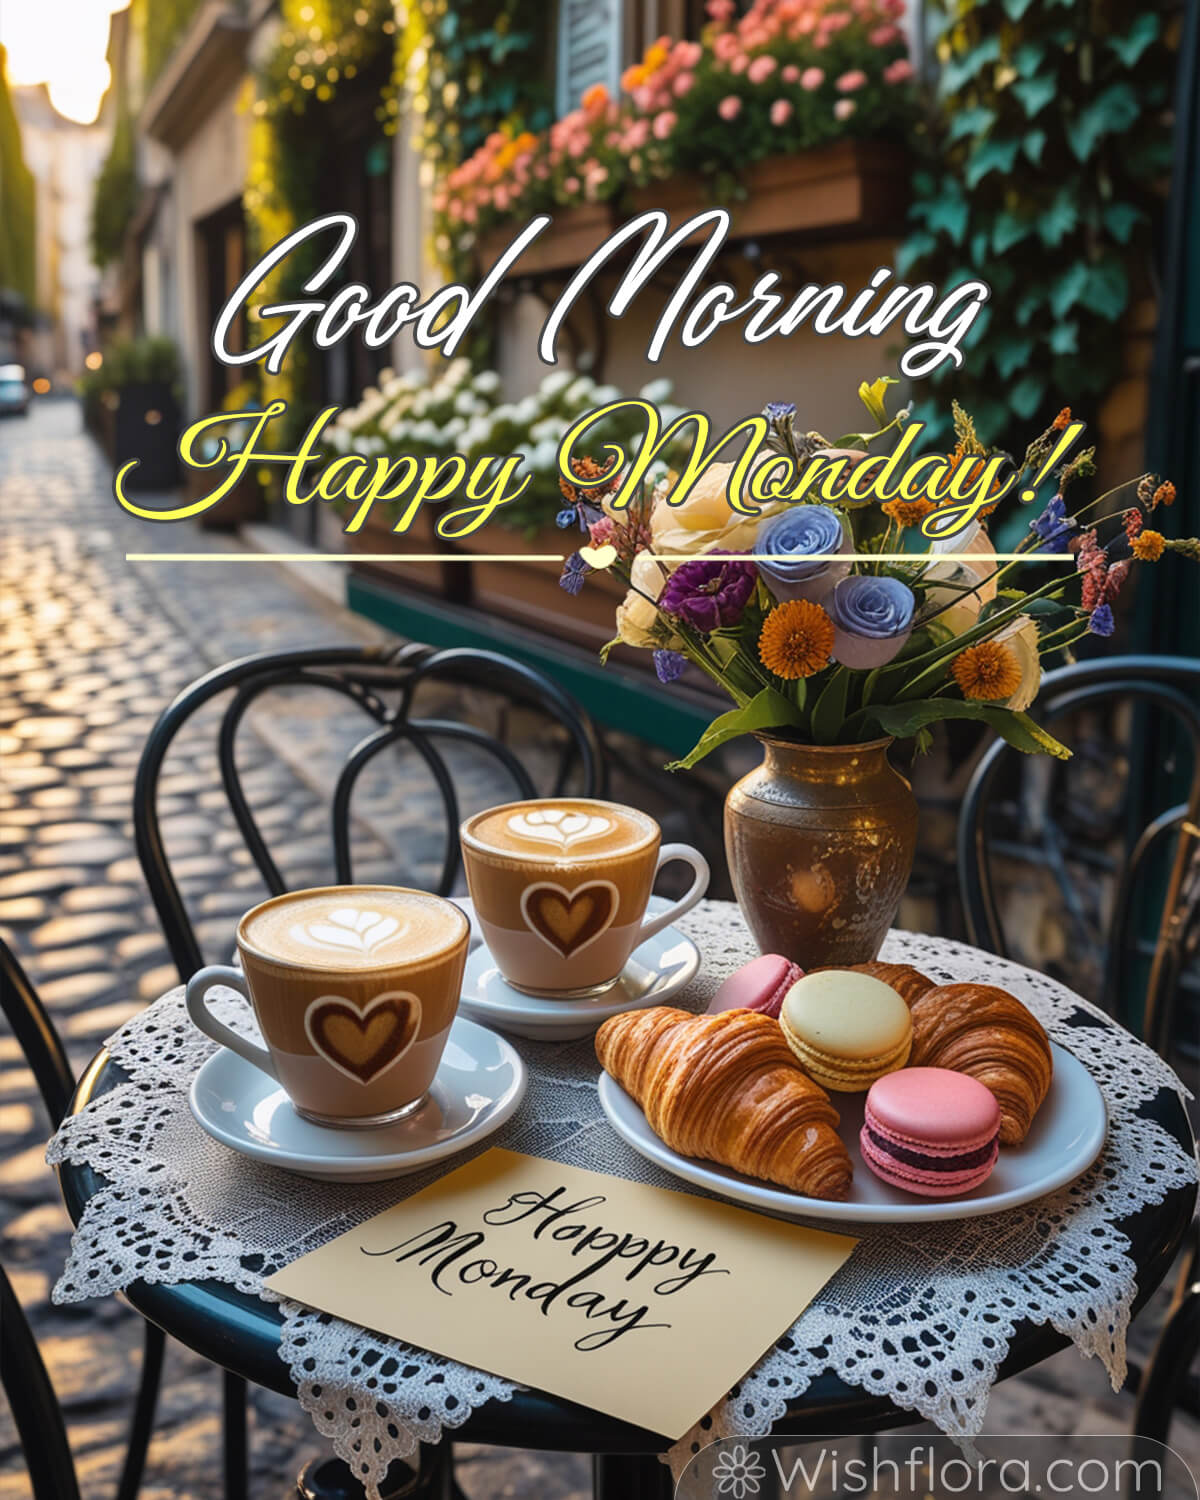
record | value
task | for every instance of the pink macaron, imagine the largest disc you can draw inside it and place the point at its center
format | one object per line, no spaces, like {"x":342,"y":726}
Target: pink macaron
{"x":931,"y":1131}
{"x":759,"y":985}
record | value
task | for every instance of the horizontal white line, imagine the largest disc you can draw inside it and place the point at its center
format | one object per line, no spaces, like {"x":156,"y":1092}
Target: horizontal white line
{"x":913,"y":558}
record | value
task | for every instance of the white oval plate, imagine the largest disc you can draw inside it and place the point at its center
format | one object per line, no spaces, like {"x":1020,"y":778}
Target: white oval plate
{"x":657,"y":970}
{"x":1065,"y":1140}
{"x":479,"y":1085}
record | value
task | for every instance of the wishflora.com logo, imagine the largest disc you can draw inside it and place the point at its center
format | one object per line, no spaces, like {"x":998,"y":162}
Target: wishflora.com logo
{"x":934,"y":1468}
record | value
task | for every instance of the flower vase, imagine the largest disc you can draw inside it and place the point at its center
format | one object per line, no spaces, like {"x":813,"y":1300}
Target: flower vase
{"x":820,"y":841}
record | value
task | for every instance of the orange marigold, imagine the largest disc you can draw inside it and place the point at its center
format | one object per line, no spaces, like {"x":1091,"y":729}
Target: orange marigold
{"x":987,"y":671}
{"x":1148,"y":546}
{"x":1062,"y":421}
{"x":908,"y":512}
{"x":1163,"y":495}
{"x":796,"y":639}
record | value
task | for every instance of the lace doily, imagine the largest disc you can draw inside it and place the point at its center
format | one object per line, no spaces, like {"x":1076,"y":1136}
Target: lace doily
{"x":923,"y":1315}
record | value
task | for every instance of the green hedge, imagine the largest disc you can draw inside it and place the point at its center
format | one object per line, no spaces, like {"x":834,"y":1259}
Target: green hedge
{"x":17,"y":203}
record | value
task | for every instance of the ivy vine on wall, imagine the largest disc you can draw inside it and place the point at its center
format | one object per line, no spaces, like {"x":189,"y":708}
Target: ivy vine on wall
{"x":1044,"y":157}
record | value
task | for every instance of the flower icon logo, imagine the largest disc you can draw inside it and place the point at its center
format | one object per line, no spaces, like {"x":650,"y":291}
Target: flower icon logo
{"x":737,"y":1472}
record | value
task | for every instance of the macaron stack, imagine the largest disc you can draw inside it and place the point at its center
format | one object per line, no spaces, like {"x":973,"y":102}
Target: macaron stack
{"x":759,"y":985}
{"x":846,"y":1029}
{"x":931,"y":1132}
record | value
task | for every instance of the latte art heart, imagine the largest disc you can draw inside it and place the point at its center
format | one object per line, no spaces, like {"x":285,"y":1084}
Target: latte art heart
{"x":362,"y":1044}
{"x":569,"y":920}
{"x":556,"y":826}
{"x":349,"y":930}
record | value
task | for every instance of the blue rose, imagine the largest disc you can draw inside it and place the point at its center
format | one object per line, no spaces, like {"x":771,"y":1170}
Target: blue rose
{"x":872,"y":619}
{"x":789,"y":540}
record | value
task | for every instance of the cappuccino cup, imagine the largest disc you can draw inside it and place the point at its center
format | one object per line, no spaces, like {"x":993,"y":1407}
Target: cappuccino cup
{"x":354,"y":989}
{"x":560,"y":887}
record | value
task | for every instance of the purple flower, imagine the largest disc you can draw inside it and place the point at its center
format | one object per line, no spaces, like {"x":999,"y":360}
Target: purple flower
{"x":872,"y":619}
{"x":779,"y":411}
{"x":1053,"y":526}
{"x":1101,"y":621}
{"x":575,"y":570}
{"x":669,"y":665}
{"x":566,"y":518}
{"x":709,"y":591}
{"x":790,"y":539}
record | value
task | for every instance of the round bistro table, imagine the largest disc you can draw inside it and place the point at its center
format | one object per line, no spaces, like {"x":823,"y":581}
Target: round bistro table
{"x":240,"y":1333}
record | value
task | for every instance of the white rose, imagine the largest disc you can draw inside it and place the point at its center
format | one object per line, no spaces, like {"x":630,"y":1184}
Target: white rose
{"x":706,"y":519}
{"x":555,"y":383}
{"x":1021,"y":638}
{"x":656,"y":391}
{"x":636,"y":616}
{"x":487,"y":382}
{"x":526,"y":410}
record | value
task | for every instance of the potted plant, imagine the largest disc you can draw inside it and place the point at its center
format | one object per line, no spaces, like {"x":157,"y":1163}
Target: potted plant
{"x":837,"y":628}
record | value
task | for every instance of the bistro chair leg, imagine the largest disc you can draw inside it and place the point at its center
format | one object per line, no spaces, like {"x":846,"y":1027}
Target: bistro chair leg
{"x":237,"y":1453}
{"x":142,"y":1426}
{"x":431,"y":1479}
{"x":631,"y":1476}
{"x":1165,"y":1377}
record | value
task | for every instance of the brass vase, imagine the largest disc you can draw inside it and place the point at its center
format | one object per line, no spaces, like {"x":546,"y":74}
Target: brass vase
{"x":820,"y":841}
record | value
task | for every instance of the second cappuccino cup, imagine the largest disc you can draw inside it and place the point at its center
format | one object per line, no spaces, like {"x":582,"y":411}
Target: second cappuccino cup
{"x":560,"y":888}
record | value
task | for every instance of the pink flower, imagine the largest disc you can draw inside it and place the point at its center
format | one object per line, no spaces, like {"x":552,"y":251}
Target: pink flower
{"x":812,"y":78}
{"x":664,"y":124}
{"x":571,"y":185}
{"x":683,"y":84}
{"x":790,"y":74}
{"x":730,"y":107}
{"x":760,"y":69}
{"x":883,"y":36}
{"x":739,"y":64}
{"x":849,"y":82}
{"x":726,"y":46}
{"x":637,"y":135}
{"x":843,"y":109}
{"x":688,"y":54}
{"x":899,"y":71}
{"x":781,"y":111}
{"x":721,"y":10}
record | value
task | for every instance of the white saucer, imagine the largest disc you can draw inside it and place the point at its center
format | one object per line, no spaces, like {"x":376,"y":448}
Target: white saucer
{"x":479,"y":1085}
{"x":1065,"y":1140}
{"x":657,"y":970}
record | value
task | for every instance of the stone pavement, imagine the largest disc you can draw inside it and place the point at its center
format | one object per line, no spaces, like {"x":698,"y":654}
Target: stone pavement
{"x":91,"y":648}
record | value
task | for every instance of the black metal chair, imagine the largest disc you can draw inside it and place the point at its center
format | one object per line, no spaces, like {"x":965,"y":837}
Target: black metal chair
{"x":383,"y":684}
{"x":1170,"y":685}
{"x":35,"y":1407}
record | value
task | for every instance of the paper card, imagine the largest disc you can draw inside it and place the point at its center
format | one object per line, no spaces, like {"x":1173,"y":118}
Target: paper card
{"x":638,"y":1302}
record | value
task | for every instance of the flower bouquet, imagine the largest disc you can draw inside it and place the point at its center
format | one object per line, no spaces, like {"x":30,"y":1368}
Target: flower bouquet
{"x":835,"y":628}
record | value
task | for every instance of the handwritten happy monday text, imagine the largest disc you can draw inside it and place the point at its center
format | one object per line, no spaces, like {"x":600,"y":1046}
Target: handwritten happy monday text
{"x":653,"y":1268}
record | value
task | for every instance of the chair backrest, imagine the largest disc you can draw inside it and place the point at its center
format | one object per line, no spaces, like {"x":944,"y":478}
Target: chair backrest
{"x":381,"y":684}
{"x":35,"y":1408}
{"x":36,"y":1036}
{"x":1171,"y":686}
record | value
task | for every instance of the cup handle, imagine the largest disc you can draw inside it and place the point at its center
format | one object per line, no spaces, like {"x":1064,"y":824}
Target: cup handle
{"x":667,"y":855}
{"x":197,"y":990}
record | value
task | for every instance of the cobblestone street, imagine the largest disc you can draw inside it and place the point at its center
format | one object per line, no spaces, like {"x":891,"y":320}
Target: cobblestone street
{"x":91,"y":649}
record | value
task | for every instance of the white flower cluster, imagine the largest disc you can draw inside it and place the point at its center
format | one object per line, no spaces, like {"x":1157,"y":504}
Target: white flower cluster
{"x":459,"y":413}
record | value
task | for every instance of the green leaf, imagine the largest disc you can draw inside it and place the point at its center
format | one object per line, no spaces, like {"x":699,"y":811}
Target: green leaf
{"x":1035,"y":93}
{"x":990,"y":157}
{"x":970,"y":122}
{"x":1010,"y":353}
{"x":1015,"y":9}
{"x":1033,"y":145}
{"x":1119,"y":220}
{"x":768,"y":710}
{"x":1110,"y":112}
{"x":1025,"y":397}
{"x":1106,"y":291}
{"x":1057,"y":221}
{"x":1069,"y":288}
{"x":1135,"y":41}
{"x":949,"y":214}
{"x":1008,"y":230}
{"x":903,"y":719}
{"x":829,"y":711}
{"x":1029,"y":56}
{"x":962,"y":69}
{"x":915,"y":248}
{"x":1064,"y":338}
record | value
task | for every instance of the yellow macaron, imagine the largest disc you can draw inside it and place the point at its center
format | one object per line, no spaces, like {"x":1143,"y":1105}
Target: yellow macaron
{"x":846,"y":1029}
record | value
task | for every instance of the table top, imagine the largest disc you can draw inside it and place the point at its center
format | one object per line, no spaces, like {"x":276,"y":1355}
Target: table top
{"x":241,"y":1332}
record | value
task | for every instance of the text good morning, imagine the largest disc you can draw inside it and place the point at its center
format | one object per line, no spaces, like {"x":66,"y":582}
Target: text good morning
{"x":694,"y":309}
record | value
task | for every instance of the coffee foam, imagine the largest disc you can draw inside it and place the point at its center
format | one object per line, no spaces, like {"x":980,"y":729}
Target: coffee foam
{"x":353,"y":929}
{"x":562,"y":829}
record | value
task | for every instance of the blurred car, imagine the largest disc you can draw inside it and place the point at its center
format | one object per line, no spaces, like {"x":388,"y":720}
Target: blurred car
{"x":14,"y":392}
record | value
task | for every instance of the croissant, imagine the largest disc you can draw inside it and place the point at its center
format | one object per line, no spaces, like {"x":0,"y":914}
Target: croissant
{"x":909,"y":983}
{"x":986,"y":1032}
{"x":727,"y":1088}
